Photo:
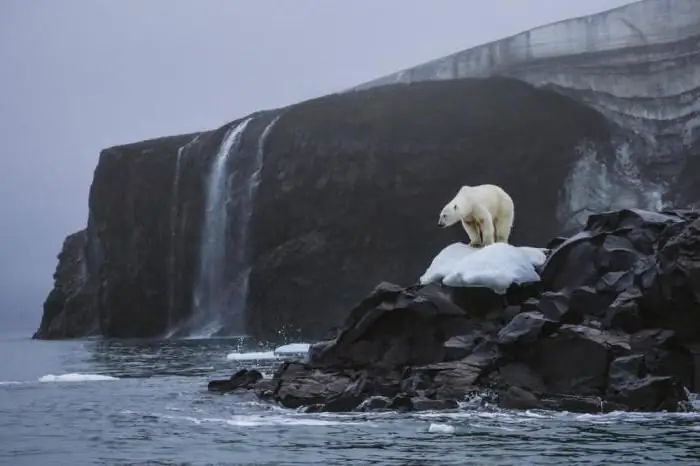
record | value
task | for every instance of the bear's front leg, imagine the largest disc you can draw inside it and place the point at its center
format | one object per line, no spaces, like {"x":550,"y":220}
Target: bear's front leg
{"x":474,"y":233}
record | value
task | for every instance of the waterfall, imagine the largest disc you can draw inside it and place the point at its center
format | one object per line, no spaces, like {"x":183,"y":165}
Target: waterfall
{"x":174,"y":250}
{"x":241,"y":257}
{"x":211,"y":292}
{"x":172,"y":263}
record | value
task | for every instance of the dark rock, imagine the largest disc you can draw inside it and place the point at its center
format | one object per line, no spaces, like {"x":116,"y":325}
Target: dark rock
{"x":590,"y":349}
{"x":341,"y":404}
{"x":374,"y":403}
{"x":624,"y":313}
{"x":526,"y":327}
{"x":554,"y":305}
{"x":676,"y":303}
{"x":425,"y":404}
{"x":677,"y":363}
{"x":69,"y":310}
{"x":401,"y":402}
{"x":453,"y":380}
{"x":461,"y":346}
{"x":575,"y":404}
{"x":647,"y":339}
{"x":245,"y":378}
{"x":388,"y":329}
{"x":300,"y":385}
{"x":517,"y":374}
{"x":694,"y":351}
{"x":650,"y":394}
{"x":515,"y":397}
{"x":587,"y":301}
{"x":626,"y":368}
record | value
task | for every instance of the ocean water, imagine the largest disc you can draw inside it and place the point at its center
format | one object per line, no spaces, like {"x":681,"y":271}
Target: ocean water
{"x":145,"y":402}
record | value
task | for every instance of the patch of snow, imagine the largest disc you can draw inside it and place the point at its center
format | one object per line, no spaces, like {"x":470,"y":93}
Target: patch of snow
{"x":496,"y":266}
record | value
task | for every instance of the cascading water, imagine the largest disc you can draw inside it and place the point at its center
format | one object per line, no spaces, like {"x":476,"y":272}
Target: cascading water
{"x":211,"y":292}
{"x":241,"y":257}
{"x":175,"y":237}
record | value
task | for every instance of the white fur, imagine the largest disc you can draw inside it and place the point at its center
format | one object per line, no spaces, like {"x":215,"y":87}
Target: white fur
{"x":486,"y":212}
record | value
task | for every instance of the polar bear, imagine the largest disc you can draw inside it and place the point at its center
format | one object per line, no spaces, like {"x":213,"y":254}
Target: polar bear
{"x":486,"y":212}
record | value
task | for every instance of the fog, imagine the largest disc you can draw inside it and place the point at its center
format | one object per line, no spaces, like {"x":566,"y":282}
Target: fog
{"x":82,"y":75}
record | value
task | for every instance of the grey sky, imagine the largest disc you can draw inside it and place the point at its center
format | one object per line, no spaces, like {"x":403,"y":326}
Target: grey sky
{"x":81,"y":75}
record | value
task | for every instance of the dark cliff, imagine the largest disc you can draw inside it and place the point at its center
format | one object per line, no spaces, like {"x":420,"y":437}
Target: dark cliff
{"x":326,"y":198}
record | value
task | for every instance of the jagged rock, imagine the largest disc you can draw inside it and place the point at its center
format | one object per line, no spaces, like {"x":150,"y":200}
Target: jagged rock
{"x":556,"y":307}
{"x":388,"y":329}
{"x":300,"y":385}
{"x":245,"y":378}
{"x":623,"y":313}
{"x":515,"y":397}
{"x":401,"y":402}
{"x":425,"y":404}
{"x":517,"y":374}
{"x":526,"y":327}
{"x":647,"y":339}
{"x":69,"y":307}
{"x":587,"y":301}
{"x":650,"y":394}
{"x":374,"y":403}
{"x":694,"y":351}
{"x":575,"y":359}
{"x":624,"y":368}
{"x":461,"y":346}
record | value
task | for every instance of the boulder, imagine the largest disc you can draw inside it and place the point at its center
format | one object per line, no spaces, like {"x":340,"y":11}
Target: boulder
{"x":243,"y":379}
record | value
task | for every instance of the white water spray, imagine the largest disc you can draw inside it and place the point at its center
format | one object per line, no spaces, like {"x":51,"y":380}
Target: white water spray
{"x":211,"y":292}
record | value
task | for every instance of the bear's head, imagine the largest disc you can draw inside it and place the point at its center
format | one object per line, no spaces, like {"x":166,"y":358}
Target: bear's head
{"x":450,"y":215}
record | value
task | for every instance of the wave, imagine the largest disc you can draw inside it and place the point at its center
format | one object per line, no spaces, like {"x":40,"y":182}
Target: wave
{"x":259,"y":420}
{"x":76,"y":377}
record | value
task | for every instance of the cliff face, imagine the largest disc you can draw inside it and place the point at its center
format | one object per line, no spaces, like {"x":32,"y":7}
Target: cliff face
{"x":279,"y":222}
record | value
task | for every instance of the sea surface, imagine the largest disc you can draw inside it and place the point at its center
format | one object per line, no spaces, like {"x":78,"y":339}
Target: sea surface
{"x":145,"y":402}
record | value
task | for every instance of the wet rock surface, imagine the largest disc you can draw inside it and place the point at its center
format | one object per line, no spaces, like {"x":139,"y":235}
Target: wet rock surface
{"x":551,"y":346}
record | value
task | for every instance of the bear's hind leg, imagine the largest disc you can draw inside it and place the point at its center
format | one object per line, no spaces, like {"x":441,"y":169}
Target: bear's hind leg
{"x":503,"y":227}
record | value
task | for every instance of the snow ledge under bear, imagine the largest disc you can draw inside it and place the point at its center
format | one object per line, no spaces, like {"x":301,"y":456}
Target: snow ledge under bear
{"x":496,"y":266}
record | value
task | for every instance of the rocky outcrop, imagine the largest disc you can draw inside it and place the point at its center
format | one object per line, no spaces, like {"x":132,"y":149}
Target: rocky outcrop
{"x":613,"y":324}
{"x":69,"y":308}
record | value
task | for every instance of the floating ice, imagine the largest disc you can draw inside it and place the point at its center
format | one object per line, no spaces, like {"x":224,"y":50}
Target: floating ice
{"x":438,"y":428}
{"x":76,"y":377}
{"x":251,"y":356}
{"x":496,"y":266}
{"x":292,"y":349}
